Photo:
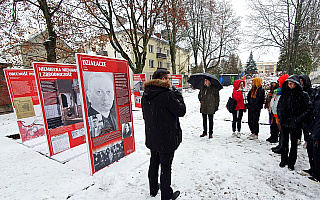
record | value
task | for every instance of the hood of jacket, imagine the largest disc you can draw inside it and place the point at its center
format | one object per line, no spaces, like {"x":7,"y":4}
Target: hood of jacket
{"x":282,"y":79}
{"x":293,"y":78}
{"x":306,"y":82}
{"x":154,"y":87}
{"x":236,"y":84}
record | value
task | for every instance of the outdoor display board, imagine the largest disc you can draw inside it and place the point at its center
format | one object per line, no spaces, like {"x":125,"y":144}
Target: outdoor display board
{"x":59,"y":95}
{"x":138,"y":80}
{"x":24,"y":98}
{"x":176,"y":80}
{"x":106,"y":97}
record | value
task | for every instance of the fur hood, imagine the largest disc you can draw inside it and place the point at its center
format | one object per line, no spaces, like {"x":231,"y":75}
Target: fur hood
{"x":156,"y":82}
{"x":153,"y":88}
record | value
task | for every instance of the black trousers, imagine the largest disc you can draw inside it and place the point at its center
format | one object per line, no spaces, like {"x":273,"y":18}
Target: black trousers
{"x":305,"y":134}
{"x":237,"y":117}
{"x":294,"y":134}
{"x":165,"y":161}
{"x":205,"y":126}
{"x":313,"y":149}
{"x":253,"y":120}
{"x":274,"y":131}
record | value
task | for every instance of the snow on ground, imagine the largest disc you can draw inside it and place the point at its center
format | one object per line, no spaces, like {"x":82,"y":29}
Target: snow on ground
{"x":219,"y":168}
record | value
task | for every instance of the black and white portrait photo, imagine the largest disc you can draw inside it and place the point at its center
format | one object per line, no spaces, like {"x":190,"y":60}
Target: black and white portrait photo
{"x":102,"y":116}
{"x":126,"y":130}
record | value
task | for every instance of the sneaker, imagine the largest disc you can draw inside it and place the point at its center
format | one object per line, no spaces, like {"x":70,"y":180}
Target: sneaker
{"x":253,"y":137}
{"x":314,"y":180}
{"x":175,"y":195}
{"x":203,"y":134}
{"x":234,"y":134}
{"x":238,"y":135}
{"x":307,"y":172}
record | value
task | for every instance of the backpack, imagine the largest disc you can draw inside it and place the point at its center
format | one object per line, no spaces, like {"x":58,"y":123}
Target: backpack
{"x":231,"y":105}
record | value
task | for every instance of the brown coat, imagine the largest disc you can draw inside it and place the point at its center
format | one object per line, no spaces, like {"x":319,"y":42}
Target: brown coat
{"x":209,"y":99}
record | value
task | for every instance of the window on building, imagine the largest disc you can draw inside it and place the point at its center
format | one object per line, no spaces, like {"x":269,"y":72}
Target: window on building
{"x":168,"y":65}
{"x":167,"y":52}
{"x":151,"y":48}
{"x":159,"y":50}
{"x":151,"y":63}
{"x":159,"y":64}
{"x":261,"y":67}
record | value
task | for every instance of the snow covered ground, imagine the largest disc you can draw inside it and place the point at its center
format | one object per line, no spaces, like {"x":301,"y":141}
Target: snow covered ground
{"x":219,"y":168}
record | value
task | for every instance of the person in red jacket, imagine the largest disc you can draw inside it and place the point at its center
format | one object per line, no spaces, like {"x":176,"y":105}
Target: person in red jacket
{"x":238,"y":86}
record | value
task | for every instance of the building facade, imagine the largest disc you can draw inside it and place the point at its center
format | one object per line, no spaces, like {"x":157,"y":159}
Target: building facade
{"x":158,"y":56}
{"x":267,"y":67}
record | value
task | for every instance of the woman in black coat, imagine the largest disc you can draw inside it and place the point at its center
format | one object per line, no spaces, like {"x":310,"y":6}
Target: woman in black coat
{"x":255,"y":104}
{"x":293,"y":107}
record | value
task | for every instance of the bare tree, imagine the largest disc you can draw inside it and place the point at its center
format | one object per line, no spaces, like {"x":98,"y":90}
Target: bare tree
{"x":49,"y":20}
{"x":284,"y":24}
{"x":194,"y":8}
{"x":214,"y":33}
{"x":127,"y":23}
{"x":174,"y":19}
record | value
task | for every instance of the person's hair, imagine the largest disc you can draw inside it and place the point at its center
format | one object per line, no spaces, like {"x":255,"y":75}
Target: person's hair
{"x":160,"y":73}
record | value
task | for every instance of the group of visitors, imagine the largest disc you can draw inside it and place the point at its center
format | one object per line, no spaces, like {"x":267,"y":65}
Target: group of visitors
{"x":292,"y":104}
{"x":294,"y":108}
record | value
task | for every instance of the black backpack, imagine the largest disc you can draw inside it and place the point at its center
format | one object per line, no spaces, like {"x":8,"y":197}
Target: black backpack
{"x":231,"y":105}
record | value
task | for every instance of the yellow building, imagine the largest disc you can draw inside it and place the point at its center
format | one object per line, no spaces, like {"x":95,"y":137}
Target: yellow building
{"x":158,"y":56}
{"x":267,"y":67}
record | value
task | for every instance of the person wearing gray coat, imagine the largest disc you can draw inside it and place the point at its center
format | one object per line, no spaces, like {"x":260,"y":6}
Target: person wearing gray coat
{"x":209,"y":99}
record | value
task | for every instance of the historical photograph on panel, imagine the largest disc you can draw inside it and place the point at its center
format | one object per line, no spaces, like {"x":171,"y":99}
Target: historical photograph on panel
{"x":102,"y":116}
{"x":110,"y":154}
{"x":61,"y":102}
{"x":126,"y":129}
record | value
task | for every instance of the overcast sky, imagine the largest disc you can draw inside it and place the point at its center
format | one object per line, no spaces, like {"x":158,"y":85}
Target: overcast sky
{"x":241,"y":9}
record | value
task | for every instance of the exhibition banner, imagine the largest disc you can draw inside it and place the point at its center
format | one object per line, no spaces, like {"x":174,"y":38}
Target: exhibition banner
{"x":106,"y":97}
{"x":176,"y":80}
{"x":138,"y":80}
{"x":59,"y":95}
{"x":25,"y":102}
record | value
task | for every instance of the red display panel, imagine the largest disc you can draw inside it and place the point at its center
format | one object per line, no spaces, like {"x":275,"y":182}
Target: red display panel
{"x":138,"y":81}
{"x":105,"y":89}
{"x":24,"y":98}
{"x":176,"y":80}
{"x":60,"y":100}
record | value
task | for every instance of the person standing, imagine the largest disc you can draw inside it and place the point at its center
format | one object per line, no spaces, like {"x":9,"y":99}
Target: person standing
{"x":293,"y":107}
{"x":161,"y":108}
{"x":313,"y":147}
{"x":238,"y":86}
{"x":278,"y":93}
{"x":255,"y":104}
{"x":307,"y":87}
{"x":209,"y":99}
{"x":274,"y":131}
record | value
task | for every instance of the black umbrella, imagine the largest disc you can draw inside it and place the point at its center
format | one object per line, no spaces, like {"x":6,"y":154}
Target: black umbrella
{"x":197,"y":80}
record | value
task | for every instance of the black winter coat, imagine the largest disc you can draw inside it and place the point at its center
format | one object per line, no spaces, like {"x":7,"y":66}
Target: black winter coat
{"x":256,"y":104}
{"x":315,"y":123}
{"x":161,"y":108}
{"x":294,"y":105}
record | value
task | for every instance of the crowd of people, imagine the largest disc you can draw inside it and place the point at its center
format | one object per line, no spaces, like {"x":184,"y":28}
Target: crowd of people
{"x":293,"y":105}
